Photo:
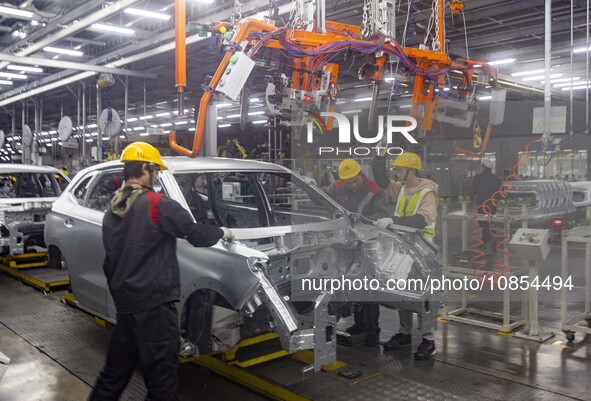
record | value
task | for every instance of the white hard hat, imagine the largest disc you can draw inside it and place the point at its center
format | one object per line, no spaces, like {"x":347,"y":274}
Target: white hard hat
{"x":488,"y":163}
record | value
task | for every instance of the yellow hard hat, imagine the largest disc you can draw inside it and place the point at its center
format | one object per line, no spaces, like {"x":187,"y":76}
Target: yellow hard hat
{"x":348,"y":168}
{"x":408,"y":159}
{"x":142,"y":152}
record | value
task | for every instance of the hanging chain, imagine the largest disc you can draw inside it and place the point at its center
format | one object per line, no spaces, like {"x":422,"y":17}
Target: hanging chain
{"x":365,"y":28}
{"x":436,"y":45}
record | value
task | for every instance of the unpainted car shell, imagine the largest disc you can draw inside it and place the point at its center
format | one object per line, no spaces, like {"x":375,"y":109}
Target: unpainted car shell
{"x":250,"y":279}
{"x":16,"y":212}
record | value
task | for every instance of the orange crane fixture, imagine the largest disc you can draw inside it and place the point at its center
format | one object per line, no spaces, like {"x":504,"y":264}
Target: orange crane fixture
{"x":313,"y":74}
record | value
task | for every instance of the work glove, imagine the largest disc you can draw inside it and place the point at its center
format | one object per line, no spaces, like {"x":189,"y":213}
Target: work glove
{"x":228,"y":234}
{"x":384,"y":222}
{"x":309,"y":181}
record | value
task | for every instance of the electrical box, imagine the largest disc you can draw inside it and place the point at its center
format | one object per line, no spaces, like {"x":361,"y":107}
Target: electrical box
{"x":235,"y":75}
{"x":496,"y":114}
{"x":456,"y":112}
{"x":531,"y":244}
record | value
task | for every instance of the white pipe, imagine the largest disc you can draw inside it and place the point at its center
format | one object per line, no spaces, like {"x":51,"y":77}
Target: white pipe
{"x":83,"y":75}
{"x":69,"y":65}
{"x":547,"y":65}
{"x":74,"y":28}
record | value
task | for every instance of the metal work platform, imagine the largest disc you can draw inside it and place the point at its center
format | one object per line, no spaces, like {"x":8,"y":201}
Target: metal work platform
{"x":31,"y":268}
{"x":70,"y":337}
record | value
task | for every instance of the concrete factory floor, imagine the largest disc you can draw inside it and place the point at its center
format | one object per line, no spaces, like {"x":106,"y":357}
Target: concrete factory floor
{"x":57,"y":350}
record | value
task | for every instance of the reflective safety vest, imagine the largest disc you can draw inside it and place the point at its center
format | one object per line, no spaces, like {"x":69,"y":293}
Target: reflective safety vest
{"x":402,"y":209}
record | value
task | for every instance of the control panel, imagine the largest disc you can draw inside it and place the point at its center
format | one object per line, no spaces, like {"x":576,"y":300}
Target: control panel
{"x":235,"y":75}
{"x":530,"y":243}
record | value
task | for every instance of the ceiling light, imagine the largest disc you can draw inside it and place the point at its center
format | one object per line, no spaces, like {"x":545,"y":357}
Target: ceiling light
{"x":504,"y":61}
{"x":181,"y":123}
{"x":138,"y":128}
{"x":5,"y":82}
{"x":363,"y":99}
{"x":562,"y":85}
{"x":59,"y":50}
{"x":148,"y":117}
{"x":254,"y":99}
{"x":16,"y":12}
{"x":351,"y":112}
{"x":233,"y":116}
{"x":405,"y":106}
{"x":24,"y":68}
{"x":13,"y":76}
{"x":256,"y":113}
{"x":220,"y":105}
{"x":166,"y":125}
{"x":149,"y":14}
{"x":575,"y":88}
{"x":555,"y":81}
{"x":259,"y":122}
{"x":144,"y":134}
{"x":582,"y":49}
{"x":112,"y":28}
{"x":530,"y":72}
{"x":485,"y":98}
{"x":390,"y":79}
{"x":132,"y":119}
{"x":542,"y":77}
{"x":224,"y":125}
{"x":163,"y":114}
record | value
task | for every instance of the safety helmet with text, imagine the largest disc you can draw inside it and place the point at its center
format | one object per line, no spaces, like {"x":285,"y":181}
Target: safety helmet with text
{"x":143,"y":152}
{"x":408,"y":159}
{"x":349,"y":168}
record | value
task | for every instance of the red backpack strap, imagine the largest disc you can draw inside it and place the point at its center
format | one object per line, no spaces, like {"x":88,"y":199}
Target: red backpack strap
{"x":154,"y":198}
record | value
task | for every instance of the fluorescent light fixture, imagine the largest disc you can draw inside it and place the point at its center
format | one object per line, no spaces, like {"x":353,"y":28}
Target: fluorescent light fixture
{"x":181,"y":123}
{"x":254,"y":99}
{"x":542,"y":77}
{"x":576,"y":88}
{"x":138,"y":128}
{"x":89,"y":140}
{"x":477,"y":65}
{"x":149,"y":14}
{"x":144,"y":134}
{"x":556,"y":81}
{"x":405,"y":106}
{"x":220,"y":105}
{"x":166,"y":125}
{"x":220,"y":118}
{"x":16,"y":12}
{"x":13,"y":76}
{"x":59,"y":50}
{"x":530,"y":72}
{"x":148,"y":117}
{"x":582,"y":49}
{"x":224,"y":125}
{"x":132,"y":119}
{"x":233,"y":116}
{"x":259,"y":121}
{"x":390,"y":79}
{"x":504,"y":61}
{"x":485,"y":98}
{"x":562,"y":85}
{"x":256,"y":113}
{"x":23,"y":68}
{"x":5,"y":82}
{"x":122,"y":136}
{"x":91,"y":125}
{"x":446,"y":89}
{"x":163,"y":114}
{"x":362,"y":99}
{"x":112,"y":28}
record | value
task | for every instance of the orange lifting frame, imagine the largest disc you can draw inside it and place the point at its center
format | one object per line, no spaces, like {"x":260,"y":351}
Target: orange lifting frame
{"x":301,"y":78}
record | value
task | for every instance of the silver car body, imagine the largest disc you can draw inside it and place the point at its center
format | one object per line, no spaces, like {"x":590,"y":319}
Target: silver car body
{"x":26,"y":195}
{"x":255,"y":275}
